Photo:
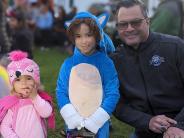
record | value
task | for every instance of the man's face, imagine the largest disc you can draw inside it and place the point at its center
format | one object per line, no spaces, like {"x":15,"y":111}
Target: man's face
{"x":132,"y":26}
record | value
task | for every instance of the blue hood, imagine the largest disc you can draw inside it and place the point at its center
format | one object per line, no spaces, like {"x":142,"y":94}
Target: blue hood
{"x":105,"y":43}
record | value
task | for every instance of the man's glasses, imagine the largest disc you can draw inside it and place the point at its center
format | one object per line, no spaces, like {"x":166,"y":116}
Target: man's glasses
{"x":134,"y":23}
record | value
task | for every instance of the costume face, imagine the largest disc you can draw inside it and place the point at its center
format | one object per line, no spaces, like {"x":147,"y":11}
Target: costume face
{"x":132,"y":26}
{"x":84,"y":40}
{"x":24,"y":85}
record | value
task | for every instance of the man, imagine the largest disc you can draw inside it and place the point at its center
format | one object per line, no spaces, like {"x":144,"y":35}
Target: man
{"x":151,"y":73}
{"x":168,"y":18}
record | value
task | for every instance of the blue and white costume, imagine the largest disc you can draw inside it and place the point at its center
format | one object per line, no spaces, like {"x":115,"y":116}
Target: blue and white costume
{"x":98,"y":121}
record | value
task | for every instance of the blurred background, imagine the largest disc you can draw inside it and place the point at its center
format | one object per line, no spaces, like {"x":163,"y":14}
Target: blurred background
{"x":43,"y":20}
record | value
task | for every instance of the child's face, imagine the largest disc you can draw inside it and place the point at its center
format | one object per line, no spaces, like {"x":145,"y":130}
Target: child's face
{"x":24,"y":86}
{"x":13,"y":22}
{"x":84,"y":40}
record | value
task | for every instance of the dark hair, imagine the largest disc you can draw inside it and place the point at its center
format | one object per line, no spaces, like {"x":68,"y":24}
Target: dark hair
{"x":18,"y":14}
{"x":131,"y":3}
{"x":94,"y":29}
{"x":62,"y":11}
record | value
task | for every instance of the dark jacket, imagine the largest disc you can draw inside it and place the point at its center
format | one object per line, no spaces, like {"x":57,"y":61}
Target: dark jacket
{"x":22,"y":39}
{"x":4,"y":39}
{"x":151,"y":82}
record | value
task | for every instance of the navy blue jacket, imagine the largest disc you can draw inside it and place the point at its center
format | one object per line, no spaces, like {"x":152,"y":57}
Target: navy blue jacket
{"x":151,"y":82}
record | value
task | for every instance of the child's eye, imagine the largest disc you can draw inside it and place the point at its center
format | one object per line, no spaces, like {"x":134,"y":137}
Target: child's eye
{"x":29,"y":78}
{"x":17,"y":79}
{"x":90,"y":34}
{"x":77,"y":36}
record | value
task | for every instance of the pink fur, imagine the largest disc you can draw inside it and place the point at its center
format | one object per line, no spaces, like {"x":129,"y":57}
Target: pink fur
{"x":17,"y":55}
{"x":20,"y":62}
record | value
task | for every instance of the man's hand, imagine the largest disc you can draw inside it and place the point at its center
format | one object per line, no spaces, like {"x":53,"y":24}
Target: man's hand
{"x":160,"y":123}
{"x":174,"y":132}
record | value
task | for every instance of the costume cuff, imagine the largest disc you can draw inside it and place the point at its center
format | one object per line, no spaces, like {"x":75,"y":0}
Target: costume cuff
{"x":96,"y":120}
{"x":71,"y":116}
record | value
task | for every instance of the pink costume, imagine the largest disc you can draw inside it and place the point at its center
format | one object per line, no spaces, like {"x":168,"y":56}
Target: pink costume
{"x":23,"y":118}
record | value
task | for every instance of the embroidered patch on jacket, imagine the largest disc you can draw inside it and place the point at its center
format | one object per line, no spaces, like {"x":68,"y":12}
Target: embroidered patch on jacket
{"x":156,"y":60}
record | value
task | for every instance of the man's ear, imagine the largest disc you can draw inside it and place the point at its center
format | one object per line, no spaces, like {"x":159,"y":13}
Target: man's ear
{"x":148,"y":21}
{"x":102,"y":19}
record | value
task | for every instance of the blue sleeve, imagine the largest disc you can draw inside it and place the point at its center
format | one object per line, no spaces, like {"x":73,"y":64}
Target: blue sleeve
{"x":49,"y":22}
{"x":62,"y":96}
{"x":110,"y":87}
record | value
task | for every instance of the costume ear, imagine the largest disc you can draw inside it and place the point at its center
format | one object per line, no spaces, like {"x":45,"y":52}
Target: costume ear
{"x":67,"y":23}
{"x":103,"y":18}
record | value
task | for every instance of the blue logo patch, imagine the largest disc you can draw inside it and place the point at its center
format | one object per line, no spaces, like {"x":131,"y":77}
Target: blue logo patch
{"x":156,"y":60}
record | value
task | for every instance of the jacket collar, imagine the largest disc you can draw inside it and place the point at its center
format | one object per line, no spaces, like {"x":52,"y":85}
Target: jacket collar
{"x":143,"y":45}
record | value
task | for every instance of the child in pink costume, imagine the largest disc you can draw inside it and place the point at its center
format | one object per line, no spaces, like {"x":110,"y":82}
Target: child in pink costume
{"x":22,"y":113}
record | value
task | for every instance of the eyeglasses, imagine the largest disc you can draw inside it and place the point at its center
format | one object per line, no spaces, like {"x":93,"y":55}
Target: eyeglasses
{"x":134,"y":23}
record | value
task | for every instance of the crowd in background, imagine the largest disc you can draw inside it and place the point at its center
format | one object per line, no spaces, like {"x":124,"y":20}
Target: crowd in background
{"x":27,"y":24}
{"x":39,"y":25}
{"x":34,"y":23}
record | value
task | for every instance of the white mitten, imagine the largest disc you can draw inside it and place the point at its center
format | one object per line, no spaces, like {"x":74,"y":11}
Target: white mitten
{"x":96,"y":120}
{"x":71,"y":116}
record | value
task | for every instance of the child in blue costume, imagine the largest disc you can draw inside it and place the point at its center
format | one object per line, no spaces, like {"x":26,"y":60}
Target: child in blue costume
{"x":91,"y":46}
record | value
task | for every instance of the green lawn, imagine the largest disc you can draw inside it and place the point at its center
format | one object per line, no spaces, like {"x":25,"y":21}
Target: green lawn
{"x":50,"y":62}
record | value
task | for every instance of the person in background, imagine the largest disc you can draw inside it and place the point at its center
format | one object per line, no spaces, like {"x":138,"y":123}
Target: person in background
{"x":91,"y":47}
{"x":168,"y":18}
{"x":44,"y":24}
{"x":150,"y":68}
{"x":22,"y":37}
{"x":49,"y":3}
{"x":4,"y":78}
{"x":33,"y":12}
{"x":72,"y":13}
{"x":59,"y":36}
{"x":23,"y":113}
{"x":5,"y":43}
{"x":4,"y":82}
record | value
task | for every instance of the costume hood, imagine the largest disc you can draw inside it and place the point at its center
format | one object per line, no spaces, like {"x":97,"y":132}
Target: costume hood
{"x":105,"y":43}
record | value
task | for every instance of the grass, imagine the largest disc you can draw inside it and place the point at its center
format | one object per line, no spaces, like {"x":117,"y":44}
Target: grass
{"x":50,"y":62}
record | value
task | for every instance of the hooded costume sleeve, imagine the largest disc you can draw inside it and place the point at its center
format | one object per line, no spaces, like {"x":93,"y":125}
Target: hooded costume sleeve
{"x":110,"y":87}
{"x":6,"y":116}
{"x":62,"y":86}
{"x":42,"y":107}
{"x":68,"y":112}
{"x":6,"y":126}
